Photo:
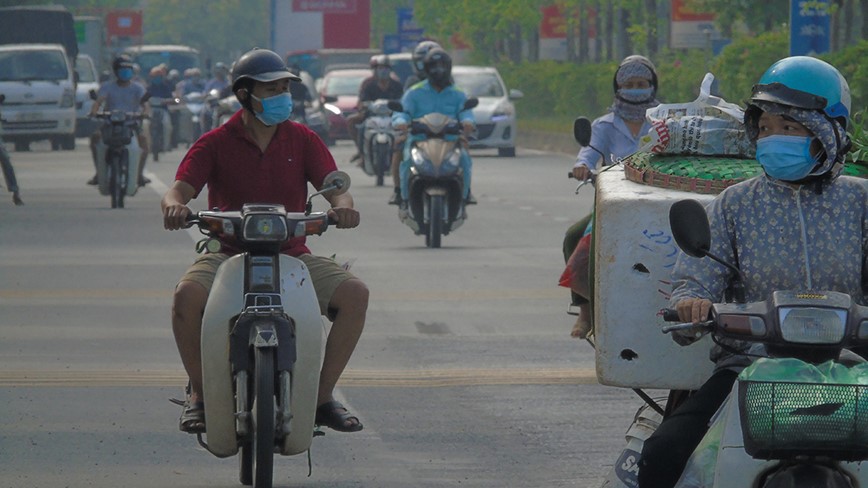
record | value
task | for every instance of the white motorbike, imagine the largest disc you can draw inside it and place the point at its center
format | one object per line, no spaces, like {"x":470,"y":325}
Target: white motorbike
{"x":118,"y":154}
{"x":261,"y":336}
{"x":785,"y":423}
{"x":378,"y":140}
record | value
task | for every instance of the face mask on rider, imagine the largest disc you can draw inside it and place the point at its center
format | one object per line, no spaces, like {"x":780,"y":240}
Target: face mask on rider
{"x":125,"y":74}
{"x":382,"y":73}
{"x":786,"y":158}
{"x":275,"y":109}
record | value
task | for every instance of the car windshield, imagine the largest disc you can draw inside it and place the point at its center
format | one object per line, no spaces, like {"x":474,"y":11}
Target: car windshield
{"x":479,"y":84}
{"x":344,"y":85}
{"x":86,"y":72}
{"x":33,"y":65}
{"x":173,"y":59}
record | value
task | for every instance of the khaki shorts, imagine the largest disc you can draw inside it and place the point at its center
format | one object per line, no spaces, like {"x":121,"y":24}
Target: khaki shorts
{"x":325,"y":273}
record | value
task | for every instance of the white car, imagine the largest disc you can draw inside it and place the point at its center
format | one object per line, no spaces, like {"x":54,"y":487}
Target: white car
{"x":495,"y":114}
{"x":88,"y":79}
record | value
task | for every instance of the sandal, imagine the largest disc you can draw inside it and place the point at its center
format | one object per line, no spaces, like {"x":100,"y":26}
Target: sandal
{"x":192,"y":419}
{"x":336,"y":417}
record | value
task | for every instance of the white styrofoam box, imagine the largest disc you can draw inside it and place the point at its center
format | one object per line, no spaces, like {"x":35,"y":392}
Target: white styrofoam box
{"x":634,"y":256}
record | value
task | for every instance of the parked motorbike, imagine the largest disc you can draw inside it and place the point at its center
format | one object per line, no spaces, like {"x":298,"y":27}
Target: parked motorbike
{"x":435,"y":205}
{"x":780,"y":425}
{"x":118,"y":154}
{"x":261,"y":336}
{"x":161,"y":125}
{"x":378,"y":139}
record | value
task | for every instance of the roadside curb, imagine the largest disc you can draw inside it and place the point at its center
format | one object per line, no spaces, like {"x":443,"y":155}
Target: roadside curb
{"x":547,"y":141}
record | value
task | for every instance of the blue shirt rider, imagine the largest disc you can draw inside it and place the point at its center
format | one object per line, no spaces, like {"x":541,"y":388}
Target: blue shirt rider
{"x":436,"y":94}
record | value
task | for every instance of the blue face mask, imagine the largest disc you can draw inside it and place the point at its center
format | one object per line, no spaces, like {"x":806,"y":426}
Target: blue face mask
{"x":275,"y":109}
{"x":786,"y":158}
{"x":636,"y":94}
{"x":125,"y":74}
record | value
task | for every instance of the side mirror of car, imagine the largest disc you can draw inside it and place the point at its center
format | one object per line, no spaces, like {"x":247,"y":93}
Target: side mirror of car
{"x":515,"y":94}
{"x":471,"y":102}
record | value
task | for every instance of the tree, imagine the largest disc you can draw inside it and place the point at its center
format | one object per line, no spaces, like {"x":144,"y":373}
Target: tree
{"x":221,"y":30}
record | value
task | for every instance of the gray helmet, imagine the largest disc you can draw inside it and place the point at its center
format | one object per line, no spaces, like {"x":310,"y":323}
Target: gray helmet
{"x":419,"y":56}
{"x":260,"y":65}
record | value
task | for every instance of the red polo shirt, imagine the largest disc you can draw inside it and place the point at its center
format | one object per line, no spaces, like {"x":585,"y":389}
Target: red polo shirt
{"x":238,"y":172}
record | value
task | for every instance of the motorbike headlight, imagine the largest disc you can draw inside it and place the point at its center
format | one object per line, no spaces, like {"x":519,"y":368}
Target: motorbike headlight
{"x":417,"y":156}
{"x":811,"y":325}
{"x":264,"y":228}
{"x":455,"y":158}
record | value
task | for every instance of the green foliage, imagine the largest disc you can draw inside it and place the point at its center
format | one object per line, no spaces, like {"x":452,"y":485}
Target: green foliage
{"x":561,"y":90}
{"x":859,"y":137}
{"x":742,"y":63}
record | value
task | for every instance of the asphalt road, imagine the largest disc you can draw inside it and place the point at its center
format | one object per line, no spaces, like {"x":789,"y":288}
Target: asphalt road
{"x":465,"y":375}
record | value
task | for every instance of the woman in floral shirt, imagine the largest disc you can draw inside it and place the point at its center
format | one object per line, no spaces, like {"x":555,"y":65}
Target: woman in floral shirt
{"x":800,"y":226}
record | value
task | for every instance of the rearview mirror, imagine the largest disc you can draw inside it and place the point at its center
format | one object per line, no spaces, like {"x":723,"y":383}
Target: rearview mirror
{"x":395,"y":106}
{"x":689,"y":224}
{"x":471,"y":102}
{"x":582,"y":131}
{"x":92,"y":94}
{"x":336,"y":183}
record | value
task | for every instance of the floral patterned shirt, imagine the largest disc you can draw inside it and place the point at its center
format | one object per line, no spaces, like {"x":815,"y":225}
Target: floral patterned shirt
{"x":782,"y":238}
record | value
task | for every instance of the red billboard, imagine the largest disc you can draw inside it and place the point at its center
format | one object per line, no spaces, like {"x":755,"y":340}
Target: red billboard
{"x":124,"y":23}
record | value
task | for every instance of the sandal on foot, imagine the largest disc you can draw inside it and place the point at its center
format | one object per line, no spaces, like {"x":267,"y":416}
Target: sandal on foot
{"x":192,"y":419}
{"x":336,"y":417}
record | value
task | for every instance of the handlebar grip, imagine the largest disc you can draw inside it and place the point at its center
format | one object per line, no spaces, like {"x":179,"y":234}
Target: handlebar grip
{"x":670,"y":315}
{"x":570,"y":175}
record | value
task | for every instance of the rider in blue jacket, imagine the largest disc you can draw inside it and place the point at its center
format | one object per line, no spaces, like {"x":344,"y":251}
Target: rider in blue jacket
{"x":436,"y":94}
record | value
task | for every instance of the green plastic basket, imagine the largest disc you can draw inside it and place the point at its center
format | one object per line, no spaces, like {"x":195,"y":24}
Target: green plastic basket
{"x":702,"y":174}
{"x":783,"y":419}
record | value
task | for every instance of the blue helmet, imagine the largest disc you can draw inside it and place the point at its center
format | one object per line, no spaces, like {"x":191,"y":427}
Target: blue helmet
{"x":807,"y":83}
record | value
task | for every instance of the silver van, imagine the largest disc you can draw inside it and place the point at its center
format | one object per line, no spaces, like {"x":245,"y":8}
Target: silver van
{"x":38,"y":84}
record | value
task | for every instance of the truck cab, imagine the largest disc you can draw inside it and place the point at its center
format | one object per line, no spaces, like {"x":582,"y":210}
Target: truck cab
{"x":38,"y":83}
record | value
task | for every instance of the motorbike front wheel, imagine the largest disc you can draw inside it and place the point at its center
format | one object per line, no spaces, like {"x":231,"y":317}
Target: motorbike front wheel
{"x":263,"y":417}
{"x":113,"y":173}
{"x":435,"y":223}
{"x":382,"y":161}
{"x":157,"y":142}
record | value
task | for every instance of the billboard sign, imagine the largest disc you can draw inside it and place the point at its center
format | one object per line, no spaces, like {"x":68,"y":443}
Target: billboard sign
{"x":810,"y":24}
{"x":691,"y":29}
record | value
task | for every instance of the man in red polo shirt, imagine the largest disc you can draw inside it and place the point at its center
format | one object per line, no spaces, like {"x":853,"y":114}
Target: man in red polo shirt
{"x":261,"y":156}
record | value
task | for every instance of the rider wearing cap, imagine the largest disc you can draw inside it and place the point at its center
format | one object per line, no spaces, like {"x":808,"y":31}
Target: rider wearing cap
{"x":799,"y":226}
{"x":259,"y":155}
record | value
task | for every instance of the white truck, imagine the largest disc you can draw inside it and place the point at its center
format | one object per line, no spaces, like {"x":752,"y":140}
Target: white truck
{"x":38,"y":83}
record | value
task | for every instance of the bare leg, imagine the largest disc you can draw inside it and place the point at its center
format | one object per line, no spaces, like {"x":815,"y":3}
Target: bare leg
{"x":351,"y":301}
{"x":189,"y":304}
